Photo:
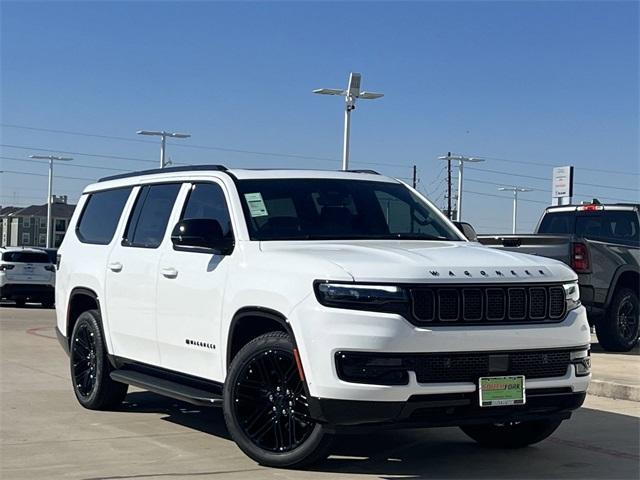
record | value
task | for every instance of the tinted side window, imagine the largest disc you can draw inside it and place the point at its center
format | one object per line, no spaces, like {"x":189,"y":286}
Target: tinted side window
{"x":100,"y":216}
{"x":206,"y":200}
{"x":150,"y":215}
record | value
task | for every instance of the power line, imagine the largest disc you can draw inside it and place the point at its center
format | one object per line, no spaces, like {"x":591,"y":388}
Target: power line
{"x":547,"y":179}
{"x":16,"y":159}
{"x":44,"y":175}
{"x":98,"y":155}
{"x":600,"y":170}
{"x":506,"y":198}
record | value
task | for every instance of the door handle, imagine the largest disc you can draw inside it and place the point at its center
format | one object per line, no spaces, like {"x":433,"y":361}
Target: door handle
{"x":115,"y":266}
{"x":169,"y":272}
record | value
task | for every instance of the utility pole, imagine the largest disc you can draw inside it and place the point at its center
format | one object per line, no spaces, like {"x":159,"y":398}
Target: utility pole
{"x":461,"y":161}
{"x":415,"y":177}
{"x":351,"y":94}
{"x":51,"y":159}
{"x":163,"y":142}
{"x":515,"y":191}
{"x":449,"y":185}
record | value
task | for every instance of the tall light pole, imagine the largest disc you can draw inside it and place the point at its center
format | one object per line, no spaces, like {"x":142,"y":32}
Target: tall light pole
{"x":351,"y":94}
{"x":461,"y":161}
{"x":51,"y":158}
{"x":163,"y":142}
{"x":515,"y":191}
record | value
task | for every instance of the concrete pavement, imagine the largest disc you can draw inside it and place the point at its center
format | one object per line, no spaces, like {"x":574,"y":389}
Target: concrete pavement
{"x":46,"y":434}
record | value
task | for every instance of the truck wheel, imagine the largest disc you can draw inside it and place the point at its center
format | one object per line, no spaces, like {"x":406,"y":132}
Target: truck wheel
{"x":511,"y":435}
{"x":618,"y":331}
{"x":90,"y":366}
{"x":266,"y":409}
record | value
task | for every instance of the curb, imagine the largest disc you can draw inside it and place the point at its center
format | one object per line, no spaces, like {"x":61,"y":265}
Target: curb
{"x":617,"y":391}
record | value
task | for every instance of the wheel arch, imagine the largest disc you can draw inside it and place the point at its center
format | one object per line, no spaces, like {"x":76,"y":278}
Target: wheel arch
{"x":81,"y":299}
{"x":625,"y":276}
{"x":249,"y":323}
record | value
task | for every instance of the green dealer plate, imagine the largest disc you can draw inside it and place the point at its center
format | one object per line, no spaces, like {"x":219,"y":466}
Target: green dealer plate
{"x":501,"y":391}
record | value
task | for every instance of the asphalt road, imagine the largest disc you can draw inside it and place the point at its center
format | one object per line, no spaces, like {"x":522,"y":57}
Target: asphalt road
{"x":44,"y":433}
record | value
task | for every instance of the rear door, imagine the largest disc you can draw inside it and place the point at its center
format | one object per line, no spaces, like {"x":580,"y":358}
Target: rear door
{"x":132,"y":274}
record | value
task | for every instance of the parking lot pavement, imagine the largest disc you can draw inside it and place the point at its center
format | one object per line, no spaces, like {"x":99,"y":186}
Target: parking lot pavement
{"x":46,"y":434}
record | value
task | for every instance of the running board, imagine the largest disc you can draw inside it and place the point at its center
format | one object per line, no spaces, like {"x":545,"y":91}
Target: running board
{"x":168,"y":388}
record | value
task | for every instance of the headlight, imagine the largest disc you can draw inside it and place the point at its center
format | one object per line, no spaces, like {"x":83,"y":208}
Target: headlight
{"x":361,"y":297}
{"x":572,"y":295}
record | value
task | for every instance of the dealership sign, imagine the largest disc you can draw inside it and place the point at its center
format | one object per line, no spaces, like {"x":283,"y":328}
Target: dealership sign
{"x":562,"y":186}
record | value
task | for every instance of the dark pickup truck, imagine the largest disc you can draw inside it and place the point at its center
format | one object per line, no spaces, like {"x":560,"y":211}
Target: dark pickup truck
{"x":602,"y":244}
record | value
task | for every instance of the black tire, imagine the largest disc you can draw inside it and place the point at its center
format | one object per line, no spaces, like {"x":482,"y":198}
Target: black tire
{"x":90,"y":366}
{"x":20,"y":302}
{"x":619,"y":329}
{"x":511,"y":435}
{"x":48,"y":303}
{"x":265,"y":406}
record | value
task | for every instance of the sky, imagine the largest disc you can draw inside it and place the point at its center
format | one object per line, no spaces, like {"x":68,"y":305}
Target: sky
{"x":524,"y":85}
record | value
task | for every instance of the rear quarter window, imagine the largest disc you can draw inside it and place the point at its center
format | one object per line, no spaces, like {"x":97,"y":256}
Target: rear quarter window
{"x":100,"y":216}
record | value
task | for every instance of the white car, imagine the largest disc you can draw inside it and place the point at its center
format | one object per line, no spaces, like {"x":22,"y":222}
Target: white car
{"x":310,"y":303}
{"x":26,"y":274}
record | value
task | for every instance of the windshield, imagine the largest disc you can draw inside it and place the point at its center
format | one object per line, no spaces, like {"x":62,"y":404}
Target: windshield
{"x":337,"y":209}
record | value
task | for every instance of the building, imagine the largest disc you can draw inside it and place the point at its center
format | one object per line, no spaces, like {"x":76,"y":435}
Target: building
{"x":27,"y":226}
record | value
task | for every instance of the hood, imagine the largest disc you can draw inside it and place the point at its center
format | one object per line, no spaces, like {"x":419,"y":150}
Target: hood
{"x":427,"y":261}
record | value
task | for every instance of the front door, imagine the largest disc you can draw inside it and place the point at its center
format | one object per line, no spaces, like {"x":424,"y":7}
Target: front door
{"x":190,"y":292}
{"x":132,"y":274}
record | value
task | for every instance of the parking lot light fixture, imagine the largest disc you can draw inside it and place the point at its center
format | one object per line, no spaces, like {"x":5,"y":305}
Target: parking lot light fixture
{"x":163,"y":142}
{"x":51,"y":158}
{"x":351,"y":94}
{"x":515,"y":191}
{"x":461,"y":161}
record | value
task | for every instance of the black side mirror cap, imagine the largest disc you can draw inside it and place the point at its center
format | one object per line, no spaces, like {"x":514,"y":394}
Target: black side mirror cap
{"x":201,"y":235}
{"x":467,"y":230}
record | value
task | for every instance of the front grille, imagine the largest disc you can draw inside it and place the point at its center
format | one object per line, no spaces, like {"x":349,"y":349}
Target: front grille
{"x":392,"y":368}
{"x":489,"y":304}
{"x":469,"y":367}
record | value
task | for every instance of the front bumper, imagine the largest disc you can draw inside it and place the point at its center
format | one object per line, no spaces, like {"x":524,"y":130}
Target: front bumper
{"x":444,"y":410}
{"x":321,"y":332}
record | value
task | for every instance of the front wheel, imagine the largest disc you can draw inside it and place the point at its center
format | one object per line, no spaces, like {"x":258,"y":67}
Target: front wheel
{"x":512,"y":434}
{"x":266,"y":408}
{"x":619,"y":329}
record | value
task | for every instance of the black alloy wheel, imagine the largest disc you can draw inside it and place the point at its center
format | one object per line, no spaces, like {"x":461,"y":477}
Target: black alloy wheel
{"x":266,"y":405}
{"x":627,"y":318}
{"x":84,"y":360}
{"x":270,"y":404}
{"x":90,"y":367}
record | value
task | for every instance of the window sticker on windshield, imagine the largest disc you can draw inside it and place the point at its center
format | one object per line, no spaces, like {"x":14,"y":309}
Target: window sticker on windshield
{"x":257,"y":208}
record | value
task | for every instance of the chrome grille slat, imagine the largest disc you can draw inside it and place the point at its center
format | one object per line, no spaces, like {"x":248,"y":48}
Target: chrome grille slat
{"x":447,"y":304}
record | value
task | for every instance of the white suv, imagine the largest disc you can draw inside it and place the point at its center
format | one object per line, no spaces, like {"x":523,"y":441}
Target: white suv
{"x":27,"y":274}
{"x":310,"y":303}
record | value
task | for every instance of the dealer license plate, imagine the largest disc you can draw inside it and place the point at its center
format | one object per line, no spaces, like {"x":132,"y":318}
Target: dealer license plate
{"x":500,"y":391}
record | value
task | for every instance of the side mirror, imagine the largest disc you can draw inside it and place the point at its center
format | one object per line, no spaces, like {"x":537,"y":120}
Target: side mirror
{"x":467,"y":230}
{"x":201,"y":234}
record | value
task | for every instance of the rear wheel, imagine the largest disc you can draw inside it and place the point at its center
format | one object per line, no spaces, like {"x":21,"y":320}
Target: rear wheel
{"x":90,"y":366}
{"x":619,"y":329}
{"x":20,"y":302}
{"x":265,"y":405}
{"x":512,"y":434}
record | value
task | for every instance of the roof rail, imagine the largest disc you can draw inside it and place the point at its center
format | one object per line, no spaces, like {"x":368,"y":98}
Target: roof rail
{"x":372,"y":172}
{"x":186,"y":168}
